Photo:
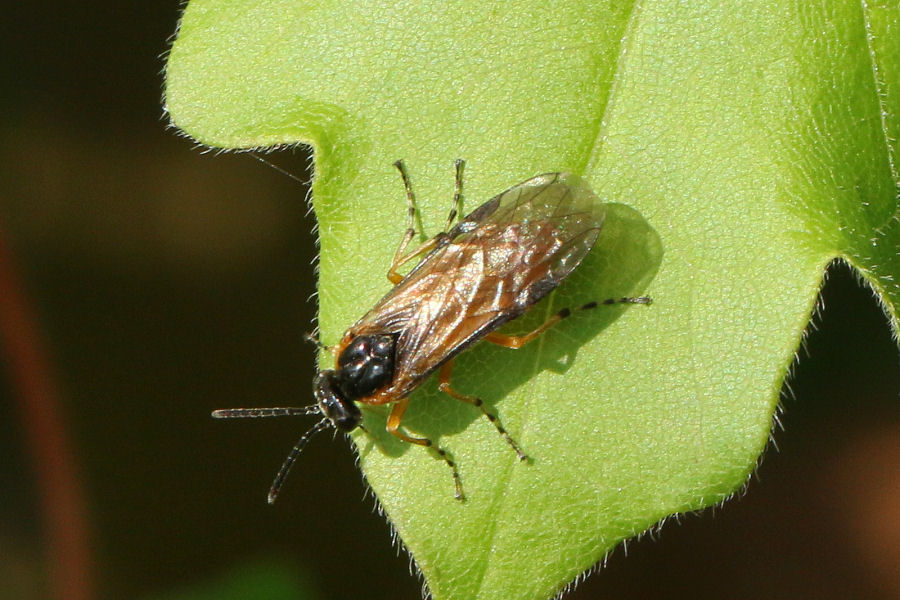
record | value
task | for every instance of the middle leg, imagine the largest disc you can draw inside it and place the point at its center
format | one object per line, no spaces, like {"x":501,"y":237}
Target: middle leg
{"x":444,"y":386}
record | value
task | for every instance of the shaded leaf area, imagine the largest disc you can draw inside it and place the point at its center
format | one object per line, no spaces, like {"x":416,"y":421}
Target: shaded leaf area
{"x":744,"y":149}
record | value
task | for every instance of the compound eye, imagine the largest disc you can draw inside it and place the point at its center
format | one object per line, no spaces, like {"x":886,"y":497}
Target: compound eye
{"x":343,"y":413}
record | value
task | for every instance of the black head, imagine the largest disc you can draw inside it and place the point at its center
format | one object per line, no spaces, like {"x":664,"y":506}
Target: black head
{"x":342,"y":412}
{"x":365,"y":365}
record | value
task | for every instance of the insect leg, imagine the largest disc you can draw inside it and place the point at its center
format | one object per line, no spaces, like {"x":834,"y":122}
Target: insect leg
{"x":399,"y":261}
{"x":393,"y":426}
{"x":313,"y":339}
{"x":400,"y":258}
{"x":517,"y":341}
{"x":444,"y":386}
{"x":393,"y":276}
{"x":456,"y":209}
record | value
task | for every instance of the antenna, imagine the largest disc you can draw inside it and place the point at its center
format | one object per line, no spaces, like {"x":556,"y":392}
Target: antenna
{"x":279,"y":169}
{"x":292,"y":456}
{"x":260,"y":413}
{"x":279,"y":411}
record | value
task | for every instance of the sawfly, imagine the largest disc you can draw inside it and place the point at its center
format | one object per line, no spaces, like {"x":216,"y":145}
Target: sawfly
{"x":482,"y":271}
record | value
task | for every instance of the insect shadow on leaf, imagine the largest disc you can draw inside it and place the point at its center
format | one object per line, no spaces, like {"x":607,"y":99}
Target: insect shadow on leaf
{"x":480,"y":272}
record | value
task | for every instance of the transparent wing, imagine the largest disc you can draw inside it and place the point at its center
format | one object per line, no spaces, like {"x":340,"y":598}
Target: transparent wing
{"x":562,"y":199}
{"x":499,"y":260}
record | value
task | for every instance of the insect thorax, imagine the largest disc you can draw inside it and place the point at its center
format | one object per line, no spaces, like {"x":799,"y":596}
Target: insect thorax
{"x":366,"y":364}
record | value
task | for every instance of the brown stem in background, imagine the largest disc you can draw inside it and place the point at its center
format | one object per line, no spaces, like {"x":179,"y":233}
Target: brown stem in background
{"x":62,"y":501}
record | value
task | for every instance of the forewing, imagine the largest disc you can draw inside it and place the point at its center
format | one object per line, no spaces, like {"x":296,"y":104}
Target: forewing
{"x":562,"y":199}
{"x":500,"y":259}
{"x":555,"y":215}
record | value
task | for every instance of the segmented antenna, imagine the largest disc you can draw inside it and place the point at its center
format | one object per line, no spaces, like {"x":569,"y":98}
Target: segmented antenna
{"x":292,"y":456}
{"x":260,"y":413}
{"x":279,"y":169}
{"x":279,"y":411}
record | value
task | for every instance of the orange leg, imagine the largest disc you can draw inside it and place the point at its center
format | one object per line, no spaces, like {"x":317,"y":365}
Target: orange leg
{"x":517,"y":341}
{"x":400,"y":259}
{"x":393,"y":426}
{"x":444,"y":386}
{"x":400,"y":256}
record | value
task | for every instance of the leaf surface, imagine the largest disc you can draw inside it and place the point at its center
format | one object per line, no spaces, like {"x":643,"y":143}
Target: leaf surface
{"x":743,"y":147}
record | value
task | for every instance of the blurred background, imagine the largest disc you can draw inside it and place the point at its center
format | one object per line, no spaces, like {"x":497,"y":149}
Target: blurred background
{"x":161,"y":282}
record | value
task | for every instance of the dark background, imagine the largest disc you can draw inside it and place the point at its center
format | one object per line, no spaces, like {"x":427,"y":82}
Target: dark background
{"x":168,"y":282}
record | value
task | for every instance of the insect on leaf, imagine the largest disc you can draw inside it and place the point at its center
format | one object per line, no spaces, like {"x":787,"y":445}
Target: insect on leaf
{"x":740,"y":147}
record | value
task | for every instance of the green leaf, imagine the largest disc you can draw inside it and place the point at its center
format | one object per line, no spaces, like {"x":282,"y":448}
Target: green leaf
{"x":754,"y":144}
